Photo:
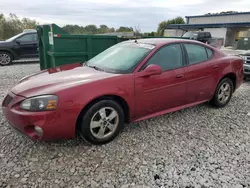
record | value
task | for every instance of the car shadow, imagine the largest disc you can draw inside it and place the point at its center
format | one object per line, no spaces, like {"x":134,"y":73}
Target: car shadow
{"x":128,"y":127}
{"x":24,"y":63}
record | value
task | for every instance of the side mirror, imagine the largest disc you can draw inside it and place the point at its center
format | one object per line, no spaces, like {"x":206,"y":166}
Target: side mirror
{"x":151,"y":70}
{"x":18,"y":41}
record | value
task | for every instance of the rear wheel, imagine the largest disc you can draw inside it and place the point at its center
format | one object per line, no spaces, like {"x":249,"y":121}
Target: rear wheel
{"x":223,"y":93}
{"x":102,"y":122}
{"x":5,"y":58}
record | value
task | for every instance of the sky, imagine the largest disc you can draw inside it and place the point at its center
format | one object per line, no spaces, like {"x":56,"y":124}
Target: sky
{"x":143,"y":14}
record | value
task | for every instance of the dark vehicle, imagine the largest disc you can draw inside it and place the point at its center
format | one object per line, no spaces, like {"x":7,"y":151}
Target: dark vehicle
{"x":23,"y":45}
{"x":201,"y":36}
{"x":246,"y":59}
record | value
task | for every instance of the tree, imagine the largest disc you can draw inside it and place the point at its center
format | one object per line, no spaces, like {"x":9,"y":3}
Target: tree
{"x":12,"y":25}
{"x":28,"y":23}
{"x":91,"y":29}
{"x":112,"y":30}
{"x":224,"y":12}
{"x":2,"y":23}
{"x":124,"y":29}
{"x":137,"y":31}
{"x":103,"y":29}
{"x":163,"y":25}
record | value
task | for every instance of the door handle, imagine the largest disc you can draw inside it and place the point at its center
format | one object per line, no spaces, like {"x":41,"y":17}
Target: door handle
{"x":180,"y":76}
{"x":215,"y":66}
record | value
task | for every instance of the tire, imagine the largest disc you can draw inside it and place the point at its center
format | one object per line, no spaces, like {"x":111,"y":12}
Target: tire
{"x":93,"y":125}
{"x":220,"y":98}
{"x":5,"y":58}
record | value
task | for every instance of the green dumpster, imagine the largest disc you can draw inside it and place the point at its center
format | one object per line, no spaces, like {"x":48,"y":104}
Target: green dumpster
{"x":57,"y":47}
{"x":243,"y":43}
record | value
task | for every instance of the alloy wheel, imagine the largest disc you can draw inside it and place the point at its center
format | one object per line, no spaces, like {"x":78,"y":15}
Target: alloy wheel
{"x":224,"y":92}
{"x":104,"y":123}
{"x":4,"y":59}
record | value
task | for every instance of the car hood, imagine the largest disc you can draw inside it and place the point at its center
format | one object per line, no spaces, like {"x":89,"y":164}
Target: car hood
{"x":52,"y":80}
{"x":3,"y":43}
{"x":247,"y":53}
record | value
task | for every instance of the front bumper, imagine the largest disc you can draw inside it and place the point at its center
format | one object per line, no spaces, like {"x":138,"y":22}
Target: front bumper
{"x":54,"y":124}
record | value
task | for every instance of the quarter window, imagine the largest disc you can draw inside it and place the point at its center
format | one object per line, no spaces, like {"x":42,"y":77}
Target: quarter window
{"x":168,"y":57}
{"x":196,"y":53}
{"x":209,"y":53}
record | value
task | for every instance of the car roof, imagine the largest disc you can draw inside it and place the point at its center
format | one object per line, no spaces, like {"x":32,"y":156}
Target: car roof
{"x":29,"y":31}
{"x":161,"y":41}
{"x":199,"y":31}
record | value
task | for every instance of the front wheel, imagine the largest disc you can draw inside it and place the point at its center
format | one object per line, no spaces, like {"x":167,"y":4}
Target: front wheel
{"x":102,"y":122}
{"x":223,"y":93}
{"x":5,"y":58}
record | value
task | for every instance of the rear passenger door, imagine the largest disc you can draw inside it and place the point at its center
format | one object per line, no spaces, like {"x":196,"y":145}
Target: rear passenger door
{"x":201,"y":72}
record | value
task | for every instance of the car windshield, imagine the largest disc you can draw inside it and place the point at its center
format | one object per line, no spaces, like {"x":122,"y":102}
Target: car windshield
{"x":190,"y":34}
{"x":14,"y":37}
{"x":120,"y":58}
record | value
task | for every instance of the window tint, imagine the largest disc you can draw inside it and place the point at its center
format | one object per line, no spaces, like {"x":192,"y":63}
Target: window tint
{"x":207,"y":35}
{"x":202,"y":35}
{"x":209,"y":53}
{"x":169,"y":57}
{"x":196,"y":53}
{"x":28,"y":38}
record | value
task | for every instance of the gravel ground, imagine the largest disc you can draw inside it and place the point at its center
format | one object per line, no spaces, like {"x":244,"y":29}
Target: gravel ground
{"x":196,"y":147}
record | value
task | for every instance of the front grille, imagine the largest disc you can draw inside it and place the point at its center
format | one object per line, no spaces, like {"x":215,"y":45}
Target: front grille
{"x":246,"y":70}
{"x":247,"y":59}
{"x":7,"y":100}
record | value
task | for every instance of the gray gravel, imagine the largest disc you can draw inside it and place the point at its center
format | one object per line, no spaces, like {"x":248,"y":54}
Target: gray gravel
{"x":196,"y":147}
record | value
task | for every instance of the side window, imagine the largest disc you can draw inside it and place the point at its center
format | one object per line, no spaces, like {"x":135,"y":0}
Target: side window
{"x":28,"y":38}
{"x":202,"y":35}
{"x":196,"y":53}
{"x":168,"y":57}
{"x":209,"y":53}
{"x":207,"y":35}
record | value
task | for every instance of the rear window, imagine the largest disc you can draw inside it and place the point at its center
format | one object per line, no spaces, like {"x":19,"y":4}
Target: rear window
{"x":196,"y":53}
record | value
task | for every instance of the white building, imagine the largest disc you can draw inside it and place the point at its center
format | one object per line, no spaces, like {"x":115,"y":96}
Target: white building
{"x":228,"y":26}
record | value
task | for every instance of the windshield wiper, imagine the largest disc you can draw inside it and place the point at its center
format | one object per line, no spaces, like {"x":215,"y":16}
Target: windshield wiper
{"x":95,"y":67}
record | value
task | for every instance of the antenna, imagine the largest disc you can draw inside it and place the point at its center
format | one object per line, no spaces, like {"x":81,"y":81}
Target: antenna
{"x":136,"y":31}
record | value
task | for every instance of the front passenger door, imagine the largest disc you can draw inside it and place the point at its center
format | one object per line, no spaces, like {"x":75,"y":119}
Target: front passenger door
{"x":165,"y":91}
{"x":26,"y":45}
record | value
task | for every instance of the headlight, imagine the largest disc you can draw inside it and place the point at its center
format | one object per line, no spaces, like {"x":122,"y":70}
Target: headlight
{"x":40,"y":103}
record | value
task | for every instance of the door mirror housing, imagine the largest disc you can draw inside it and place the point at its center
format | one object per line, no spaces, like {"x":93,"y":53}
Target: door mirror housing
{"x":152,"y":70}
{"x":18,"y":41}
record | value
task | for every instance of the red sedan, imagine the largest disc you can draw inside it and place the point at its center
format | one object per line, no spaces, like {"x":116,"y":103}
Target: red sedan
{"x":131,"y":81}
